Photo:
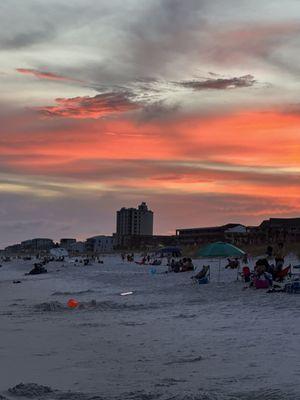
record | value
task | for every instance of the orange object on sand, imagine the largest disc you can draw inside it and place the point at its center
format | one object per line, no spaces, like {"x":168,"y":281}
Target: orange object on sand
{"x":72,"y":303}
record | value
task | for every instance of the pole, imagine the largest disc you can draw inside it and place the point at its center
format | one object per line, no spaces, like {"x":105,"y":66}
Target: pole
{"x":238,"y":272}
{"x":219,"y":273}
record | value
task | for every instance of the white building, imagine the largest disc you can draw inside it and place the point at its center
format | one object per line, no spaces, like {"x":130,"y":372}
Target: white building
{"x":237,"y":229}
{"x":100,"y":244}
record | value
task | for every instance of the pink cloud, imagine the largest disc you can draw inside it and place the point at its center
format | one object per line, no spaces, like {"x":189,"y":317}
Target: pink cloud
{"x":91,"y":107}
{"x":45,"y":75}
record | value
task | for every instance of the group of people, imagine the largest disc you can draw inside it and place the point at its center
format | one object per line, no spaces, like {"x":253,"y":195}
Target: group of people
{"x":232,"y":263}
{"x":38,"y":268}
{"x":182,"y":265}
{"x":266,"y":271}
{"x":128,"y":257}
{"x":148,"y":260}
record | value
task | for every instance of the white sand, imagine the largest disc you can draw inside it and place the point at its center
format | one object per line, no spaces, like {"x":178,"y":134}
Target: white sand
{"x":169,"y":339}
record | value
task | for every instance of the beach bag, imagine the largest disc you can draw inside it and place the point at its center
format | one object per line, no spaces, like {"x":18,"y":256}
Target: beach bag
{"x":261,"y":283}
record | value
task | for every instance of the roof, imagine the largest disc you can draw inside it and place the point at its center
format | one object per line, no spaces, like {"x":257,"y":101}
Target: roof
{"x":221,"y":228}
{"x":281,"y":222}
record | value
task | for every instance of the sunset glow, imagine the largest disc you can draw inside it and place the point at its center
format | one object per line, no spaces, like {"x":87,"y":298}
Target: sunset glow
{"x":210,"y":121}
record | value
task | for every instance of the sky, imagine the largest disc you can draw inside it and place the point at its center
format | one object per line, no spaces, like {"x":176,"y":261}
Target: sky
{"x":192,"y":106}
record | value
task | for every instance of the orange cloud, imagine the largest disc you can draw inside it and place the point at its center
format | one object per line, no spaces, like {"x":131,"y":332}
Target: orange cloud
{"x":246,"y":154}
{"x":91,"y":107}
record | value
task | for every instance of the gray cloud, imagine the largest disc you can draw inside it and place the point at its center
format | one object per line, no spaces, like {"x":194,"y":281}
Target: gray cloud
{"x":25,"y":39}
{"x":158,"y":110}
{"x":219,"y":83}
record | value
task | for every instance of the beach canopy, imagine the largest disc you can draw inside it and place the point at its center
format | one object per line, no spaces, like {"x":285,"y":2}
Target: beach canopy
{"x":220,"y":249}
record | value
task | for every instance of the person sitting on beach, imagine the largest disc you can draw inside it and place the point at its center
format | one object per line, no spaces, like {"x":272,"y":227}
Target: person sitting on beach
{"x":201,"y":274}
{"x":156,"y":262}
{"x":37,"y":269}
{"x":261,"y":266}
{"x":263,"y":271}
{"x":187,"y":265}
{"x":177,"y":265}
{"x":232,"y":264}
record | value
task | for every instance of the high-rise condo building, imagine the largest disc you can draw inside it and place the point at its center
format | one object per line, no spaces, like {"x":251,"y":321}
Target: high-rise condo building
{"x":135,"y":221}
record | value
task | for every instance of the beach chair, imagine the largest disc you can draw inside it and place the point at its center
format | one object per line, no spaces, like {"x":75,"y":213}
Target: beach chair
{"x":203,"y":277}
{"x":292,"y":287}
{"x":281,"y":275}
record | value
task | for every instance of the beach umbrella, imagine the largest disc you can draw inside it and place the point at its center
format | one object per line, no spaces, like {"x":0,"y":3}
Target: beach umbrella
{"x":219,"y":250}
{"x":170,"y":250}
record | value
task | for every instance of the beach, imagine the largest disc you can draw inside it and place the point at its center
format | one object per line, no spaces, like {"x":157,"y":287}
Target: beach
{"x":169,"y":338}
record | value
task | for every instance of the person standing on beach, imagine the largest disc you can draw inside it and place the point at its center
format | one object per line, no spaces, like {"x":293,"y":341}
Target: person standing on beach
{"x":279,"y":257}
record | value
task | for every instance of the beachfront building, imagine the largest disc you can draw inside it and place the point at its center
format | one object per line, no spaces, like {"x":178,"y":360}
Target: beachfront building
{"x":13,"y":249}
{"x":77,"y":248}
{"x":38,"y":244}
{"x":145,"y":242}
{"x":133,"y":222}
{"x":281,"y":230}
{"x":233,"y":233}
{"x":66,"y":243}
{"x":99,"y":244}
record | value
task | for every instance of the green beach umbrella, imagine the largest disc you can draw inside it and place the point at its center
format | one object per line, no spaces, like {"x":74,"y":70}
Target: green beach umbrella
{"x":220,"y":250}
